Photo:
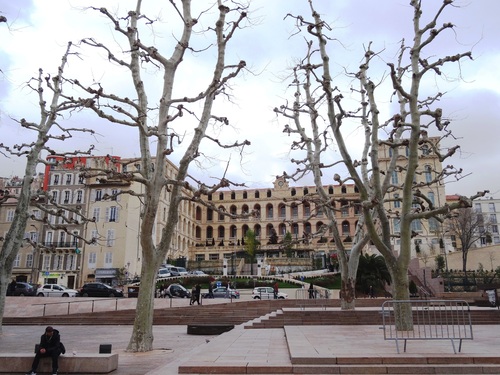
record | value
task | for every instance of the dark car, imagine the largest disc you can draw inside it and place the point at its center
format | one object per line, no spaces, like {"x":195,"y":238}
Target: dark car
{"x":24,"y":289}
{"x":223,"y":292}
{"x":99,"y":290}
{"x":177,"y":291}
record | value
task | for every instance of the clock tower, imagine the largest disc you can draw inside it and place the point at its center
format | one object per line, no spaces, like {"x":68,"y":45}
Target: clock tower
{"x":280,"y":183}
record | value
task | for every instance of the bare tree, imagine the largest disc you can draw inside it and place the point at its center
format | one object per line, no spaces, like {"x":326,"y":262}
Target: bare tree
{"x":469,"y":226}
{"x":155,"y":123}
{"x":50,"y":120}
{"x":321,"y":103}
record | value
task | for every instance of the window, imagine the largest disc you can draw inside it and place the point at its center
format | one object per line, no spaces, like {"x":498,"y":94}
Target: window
{"x":46,"y":262}
{"x":345,"y":210}
{"x":17,"y":261}
{"x":269,"y":211}
{"x":79,"y":195}
{"x":397,"y":225}
{"x":94,"y":236}
{"x":10,"y":215}
{"x":29,"y":260}
{"x":213,"y":256}
{"x":108,"y":259}
{"x":245,"y":195}
{"x":416,"y":225}
{"x":110,"y":238}
{"x":257,"y":194}
{"x":112,"y":214}
{"x":493,"y":218}
{"x":114,"y":194}
{"x":346,"y":228}
{"x":491,"y":207}
{"x":433,"y":224}
{"x":394,"y":177}
{"x":221,"y":196}
{"x":97,"y":212}
{"x":81,"y":180}
{"x":428,"y":173}
{"x":54,"y":196}
{"x":494,"y":228}
{"x":33,"y":236}
{"x":295,"y":210}
{"x":62,"y":238}
{"x":66,"y":197}
{"x":36,"y":214}
{"x":430,"y":195}
{"x":92,"y":260}
{"x":268,"y":193}
{"x":56,"y":180}
{"x":98,"y":195}
{"x":59,"y":259}
{"x":199,"y":257}
{"x":426,"y":150}
{"x":221,"y":215}
{"x":48,"y":239}
{"x":282,"y":211}
{"x":307,"y":209}
{"x":233,"y":195}
{"x":210,"y":214}
{"x":69,"y":179}
{"x":71,"y":262}
{"x":477,"y":207}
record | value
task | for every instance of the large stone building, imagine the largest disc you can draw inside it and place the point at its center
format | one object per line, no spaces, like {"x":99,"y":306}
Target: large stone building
{"x":108,"y":249}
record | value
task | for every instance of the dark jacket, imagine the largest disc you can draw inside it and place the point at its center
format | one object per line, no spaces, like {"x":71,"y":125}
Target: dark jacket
{"x":51,"y":343}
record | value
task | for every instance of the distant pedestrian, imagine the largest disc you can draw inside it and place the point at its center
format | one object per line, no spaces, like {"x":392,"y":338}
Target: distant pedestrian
{"x":311,"y":291}
{"x":275,"y":290}
{"x":210,"y":290}
{"x":371,"y":292}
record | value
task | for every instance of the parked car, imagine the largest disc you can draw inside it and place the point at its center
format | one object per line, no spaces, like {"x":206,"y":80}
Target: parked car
{"x":266,"y":292}
{"x":164,"y":272}
{"x":178,"y":271}
{"x":222,"y":292}
{"x":56,"y":290}
{"x":177,"y":291}
{"x":25,"y":289}
{"x":197,"y":273}
{"x":97,"y":289}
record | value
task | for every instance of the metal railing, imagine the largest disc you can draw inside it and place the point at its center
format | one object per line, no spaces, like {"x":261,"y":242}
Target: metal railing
{"x":318,"y":295}
{"x":432,"y":320}
{"x":73,"y":302}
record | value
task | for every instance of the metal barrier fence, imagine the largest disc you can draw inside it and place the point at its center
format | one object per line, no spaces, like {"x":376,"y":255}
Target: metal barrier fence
{"x":432,"y":320}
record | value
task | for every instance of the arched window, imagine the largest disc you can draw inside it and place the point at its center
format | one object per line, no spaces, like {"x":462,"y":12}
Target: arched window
{"x":198,"y":213}
{"x":198,"y":232}
{"x":210,"y":232}
{"x":306,"y":191}
{"x":293,"y":192}
{"x":346,"y":228}
{"x":257,"y":210}
{"x":244,"y":230}
{"x":282,"y":229}
{"x":330,"y":189}
{"x":233,"y":195}
{"x":294,"y":210}
{"x":245,"y":195}
{"x":232,"y":210}
{"x":221,"y":232}
{"x":244,"y":209}
{"x":221,"y":196}
{"x":343,"y":190}
{"x":232,"y":232}
{"x":269,"y":211}
{"x":268,"y":193}
{"x":307,"y":209}
{"x":295,"y":230}
{"x":319,"y":224}
{"x":282,"y":211}
{"x":210,"y":214}
{"x":257,"y":230}
{"x":257,"y":194}
{"x":221,"y":215}
{"x":307,"y":227}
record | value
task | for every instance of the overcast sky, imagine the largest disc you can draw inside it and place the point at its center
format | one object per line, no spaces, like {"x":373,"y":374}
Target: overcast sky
{"x":38,"y":31}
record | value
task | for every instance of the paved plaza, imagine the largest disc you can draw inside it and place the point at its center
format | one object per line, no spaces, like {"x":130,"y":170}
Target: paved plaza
{"x":276,"y":347}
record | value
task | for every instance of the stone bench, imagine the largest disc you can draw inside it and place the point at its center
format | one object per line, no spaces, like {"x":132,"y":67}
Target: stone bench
{"x":80,"y":363}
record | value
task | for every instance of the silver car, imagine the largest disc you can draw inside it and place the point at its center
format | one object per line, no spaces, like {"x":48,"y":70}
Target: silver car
{"x":55,"y":290}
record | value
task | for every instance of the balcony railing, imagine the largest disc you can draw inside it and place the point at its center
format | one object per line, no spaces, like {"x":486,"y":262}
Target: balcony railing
{"x":59,"y":244}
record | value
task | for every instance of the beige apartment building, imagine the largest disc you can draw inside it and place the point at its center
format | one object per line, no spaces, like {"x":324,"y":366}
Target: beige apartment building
{"x":429,"y":231}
